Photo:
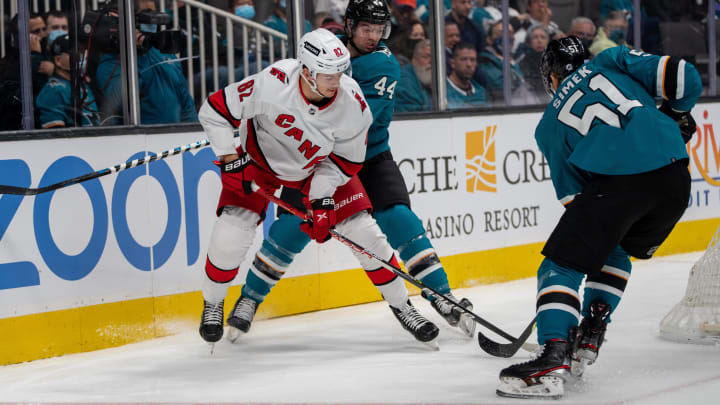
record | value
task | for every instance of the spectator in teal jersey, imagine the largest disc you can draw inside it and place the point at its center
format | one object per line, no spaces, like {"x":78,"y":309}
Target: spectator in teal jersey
{"x":54,"y":103}
{"x":164,"y":94}
{"x":278,"y":20}
{"x":423,"y":9}
{"x":462,"y":90}
{"x":490,"y":63}
{"x":413,"y":91}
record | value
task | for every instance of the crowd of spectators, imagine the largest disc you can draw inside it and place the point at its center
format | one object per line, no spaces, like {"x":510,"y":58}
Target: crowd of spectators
{"x":170,"y":80}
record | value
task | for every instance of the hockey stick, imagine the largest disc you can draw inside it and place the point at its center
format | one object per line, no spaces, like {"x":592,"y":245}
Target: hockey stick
{"x":114,"y":169}
{"x":508,"y":349}
{"x":491,"y":347}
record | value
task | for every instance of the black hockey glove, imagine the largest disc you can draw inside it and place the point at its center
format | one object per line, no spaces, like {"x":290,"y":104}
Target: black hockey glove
{"x":232,"y":176}
{"x":683,"y":118}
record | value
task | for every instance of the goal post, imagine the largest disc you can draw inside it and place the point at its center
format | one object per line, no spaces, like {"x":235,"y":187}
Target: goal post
{"x":696,"y":318}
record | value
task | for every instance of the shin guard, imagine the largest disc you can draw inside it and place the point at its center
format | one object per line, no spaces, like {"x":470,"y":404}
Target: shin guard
{"x":405,"y":233}
{"x":558,"y":301}
{"x":285,"y":240}
{"x":362,"y":229}
{"x":609,"y":285}
{"x":230,"y":240}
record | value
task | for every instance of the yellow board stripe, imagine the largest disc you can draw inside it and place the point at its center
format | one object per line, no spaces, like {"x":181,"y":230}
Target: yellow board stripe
{"x":95,"y":327}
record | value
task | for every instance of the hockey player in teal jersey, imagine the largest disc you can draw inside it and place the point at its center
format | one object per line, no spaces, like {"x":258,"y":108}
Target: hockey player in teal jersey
{"x":377,"y":71}
{"x":619,"y":165}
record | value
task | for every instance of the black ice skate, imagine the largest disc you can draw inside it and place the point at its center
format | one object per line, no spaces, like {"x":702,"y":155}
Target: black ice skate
{"x":422,"y":329}
{"x":543,"y":377}
{"x":211,"y":323}
{"x":240,"y":318}
{"x":589,"y":337}
{"x":453,"y":315}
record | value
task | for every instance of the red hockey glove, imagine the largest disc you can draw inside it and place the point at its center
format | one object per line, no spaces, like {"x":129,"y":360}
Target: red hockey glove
{"x":683,"y":118}
{"x":231,"y":174}
{"x":323,"y":218}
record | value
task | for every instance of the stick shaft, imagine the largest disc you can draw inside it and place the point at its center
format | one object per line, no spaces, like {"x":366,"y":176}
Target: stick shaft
{"x":104,"y":172}
{"x":417,"y":283}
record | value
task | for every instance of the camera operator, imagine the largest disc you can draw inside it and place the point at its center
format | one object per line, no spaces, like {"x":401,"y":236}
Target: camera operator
{"x":54,"y":103}
{"x":164,"y":94}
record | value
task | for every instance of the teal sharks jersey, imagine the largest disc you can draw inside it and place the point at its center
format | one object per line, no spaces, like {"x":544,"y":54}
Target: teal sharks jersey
{"x":378,"y":73}
{"x":603,"y":118}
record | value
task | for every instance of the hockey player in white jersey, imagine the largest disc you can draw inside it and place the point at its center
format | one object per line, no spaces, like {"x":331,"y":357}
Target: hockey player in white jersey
{"x":303,"y":124}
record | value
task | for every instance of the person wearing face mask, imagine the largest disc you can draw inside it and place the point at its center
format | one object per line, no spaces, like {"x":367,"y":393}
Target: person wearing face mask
{"x":490,"y":63}
{"x":612,"y":33}
{"x":403,"y":44}
{"x":583,"y":28}
{"x":41,"y":68}
{"x":164,"y":93}
{"x":57,"y":22}
{"x":54,"y":103}
{"x":414,"y":88}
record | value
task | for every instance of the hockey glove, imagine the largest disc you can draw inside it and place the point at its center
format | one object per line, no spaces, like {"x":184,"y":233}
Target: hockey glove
{"x":323,"y":218}
{"x":683,"y":118}
{"x":232,"y":174}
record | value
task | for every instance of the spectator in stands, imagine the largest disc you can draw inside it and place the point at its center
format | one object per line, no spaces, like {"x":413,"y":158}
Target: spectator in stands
{"x":528,"y":59}
{"x":469,"y":31}
{"x":164,"y":94}
{"x":624,"y":6}
{"x":414,"y":90}
{"x":56,"y":21}
{"x":452,"y":37}
{"x":278,"y":20}
{"x":583,"y":28}
{"x":462,"y":90}
{"x":485,"y":14}
{"x":335,"y":9}
{"x":403,"y":43}
{"x":402,"y":16}
{"x":55,"y":103}
{"x":423,"y":9}
{"x":490,"y":63}
{"x":323,"y":20}
{"x":612,"y":33}
{"x":41,"y":68}
{"x":540,"y":13}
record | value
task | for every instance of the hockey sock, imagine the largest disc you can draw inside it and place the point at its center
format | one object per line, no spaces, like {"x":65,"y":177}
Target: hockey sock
{"x":285,"y":240}
{"x":362,"y":229}
{"x":231,"y":237}
{"x":406,"y":234}
{"x":558,"y":301}
{"x":608,"y":285}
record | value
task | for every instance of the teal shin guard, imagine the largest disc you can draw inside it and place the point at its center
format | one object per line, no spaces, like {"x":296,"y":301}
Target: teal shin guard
{"x":609,"y":285}
{"x":284,"y":242}
{"x":558,"y":302}
{"x":406,"y":234}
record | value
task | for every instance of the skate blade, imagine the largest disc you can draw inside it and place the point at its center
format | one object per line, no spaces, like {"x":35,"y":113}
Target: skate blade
{"x":212,"y":348}
{"x":234,"y":334}
{"x":467,"y":325}
{"x":548,"y":387}
{"x":577,"y":367}
{"x":433,"y":344}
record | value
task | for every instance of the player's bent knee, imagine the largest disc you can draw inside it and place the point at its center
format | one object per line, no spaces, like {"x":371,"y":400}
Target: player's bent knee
{"x":231,"y":237}
{"x":362,"y":229}
{"x":399,"y":223}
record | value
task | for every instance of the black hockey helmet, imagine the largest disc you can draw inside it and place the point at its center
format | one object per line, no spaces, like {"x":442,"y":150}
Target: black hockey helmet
{"x":562,"y":57}
{"x":372,"y":11}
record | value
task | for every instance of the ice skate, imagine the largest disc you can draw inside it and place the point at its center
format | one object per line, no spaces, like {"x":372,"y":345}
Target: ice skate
{"x":422,"y":329}
{"x":589,"y":337}
{"x":211,"y":323}
{"x":240,"y":318}
{"x":541,"y":378}
{"x":453,"y":315}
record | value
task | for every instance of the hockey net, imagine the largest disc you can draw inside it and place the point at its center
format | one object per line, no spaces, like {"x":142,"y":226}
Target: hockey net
{"x":696,"y":318}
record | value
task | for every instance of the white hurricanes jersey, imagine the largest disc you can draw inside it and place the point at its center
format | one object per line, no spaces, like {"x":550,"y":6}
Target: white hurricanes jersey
{"x":286,"y":134}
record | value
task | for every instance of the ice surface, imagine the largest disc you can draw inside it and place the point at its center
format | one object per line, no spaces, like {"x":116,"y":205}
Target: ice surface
{"x":360,"y":354}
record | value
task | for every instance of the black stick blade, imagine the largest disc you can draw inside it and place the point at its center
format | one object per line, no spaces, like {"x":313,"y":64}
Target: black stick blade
{"x":505,"y":349}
